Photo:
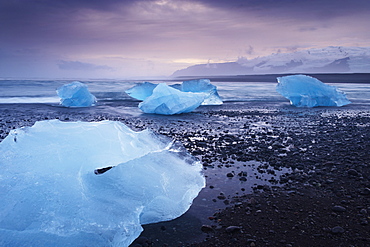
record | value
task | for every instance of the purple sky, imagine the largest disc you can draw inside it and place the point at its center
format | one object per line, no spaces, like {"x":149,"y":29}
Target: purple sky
{"x":141,"y":38}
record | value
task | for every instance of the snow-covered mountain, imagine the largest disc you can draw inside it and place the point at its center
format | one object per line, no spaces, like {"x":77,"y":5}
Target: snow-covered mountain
{"x":332,"y":59}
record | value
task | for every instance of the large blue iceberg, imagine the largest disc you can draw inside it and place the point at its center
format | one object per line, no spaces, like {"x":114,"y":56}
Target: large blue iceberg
{"x":306,"y":91}
{"x":166,"y":100}
{"x":144,"y":90}
{"x":90,"y":184}
{"x":75,"y":94}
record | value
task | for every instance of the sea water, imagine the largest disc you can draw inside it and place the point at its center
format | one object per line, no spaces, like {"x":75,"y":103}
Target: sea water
{"x":112,"y":92}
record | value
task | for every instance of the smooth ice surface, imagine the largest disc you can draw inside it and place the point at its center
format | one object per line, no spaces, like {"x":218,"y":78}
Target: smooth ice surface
{"x":51,"y":196}
{"x":75,"y":94}
{"x":166,"y":100}
{"x":141,"y":91}
{"x":203,"y":86}
{"x":144,"y":90}
{"x":306,"y":91}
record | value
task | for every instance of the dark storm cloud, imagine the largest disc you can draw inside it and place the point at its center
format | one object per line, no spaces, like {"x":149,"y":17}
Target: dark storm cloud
{"x":86,"y":34}
{"x":31,"y":17}
{"x":53,"y":18}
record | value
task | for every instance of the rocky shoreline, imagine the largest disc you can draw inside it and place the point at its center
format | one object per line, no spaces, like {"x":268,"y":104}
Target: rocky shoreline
{"x":324,"y":199}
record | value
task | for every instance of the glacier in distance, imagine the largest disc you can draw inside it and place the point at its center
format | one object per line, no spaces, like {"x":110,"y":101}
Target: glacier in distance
{"x":90,"y":183}
{"x":75,"y":94}
{"x":307,"y":91}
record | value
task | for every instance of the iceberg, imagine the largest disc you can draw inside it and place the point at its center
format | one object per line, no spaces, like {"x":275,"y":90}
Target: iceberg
{"x":75,"y":94}
{"x":166,"y":100}
{"x":90,"y":183}
{"x":141,"y":91}
{"x":203,"y":86}
{"x":144,"y":90}
{"x":307,"y":91}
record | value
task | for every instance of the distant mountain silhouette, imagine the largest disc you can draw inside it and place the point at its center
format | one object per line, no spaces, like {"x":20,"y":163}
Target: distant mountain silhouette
{"x":326,"y":60}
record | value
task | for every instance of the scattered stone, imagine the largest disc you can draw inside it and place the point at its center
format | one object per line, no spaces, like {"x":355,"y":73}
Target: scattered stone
{"x":221,"y":197}
{"x":363,"y":211}
{"x":352,"y":172}
{"x":242,"y":174}
{"x":364,"y":222}
{"x":337,"y":230}
{"x":365,"y":191}
{"x":230,"y":175}
{"x":232,"y":229}
{"x":339,"y":209}
{"x":207,"y":229}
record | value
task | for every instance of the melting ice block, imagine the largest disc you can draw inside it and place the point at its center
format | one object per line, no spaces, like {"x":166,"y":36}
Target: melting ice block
{"x":144,"y":90}
{"x":141,"y":91}
{"x":168,"y":101}
{"x":203,"y":86}
{"x":75,"y":94}
{"x":90,"y":184}
{"x":306,"y":91}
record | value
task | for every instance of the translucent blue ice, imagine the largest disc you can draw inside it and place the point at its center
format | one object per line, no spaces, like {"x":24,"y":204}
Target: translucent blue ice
{"x":166,"y":100}
{"x":144,"y":90}
{"x":75,"y":94}
{"x":306,"y":91}
{"x":141,"y":91}
{"x":203,"y":86}
{"x":90,"y":184}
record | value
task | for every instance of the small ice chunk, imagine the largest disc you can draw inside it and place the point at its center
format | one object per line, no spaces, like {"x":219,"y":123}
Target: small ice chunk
{"x":75,"y":94}
{"x":166,"y":100}
{"x":141,"y":91}
{"x":203,"y":86}
{"x":90,"y":184}
{"x":306,"y":91}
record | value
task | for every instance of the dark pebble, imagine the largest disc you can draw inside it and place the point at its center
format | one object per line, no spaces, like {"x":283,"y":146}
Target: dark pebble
{"x":242,"y":174}
{"x":365,"y":191}
{"x":364,"y":222}
{"x":207,"y":228}
{"x":352,"y":172}
{"x":230,"y":175}
{"x":337,"y":230}
{"x":231,"y":229}
{"x":338,"y":209}
{"x":221,"y":197}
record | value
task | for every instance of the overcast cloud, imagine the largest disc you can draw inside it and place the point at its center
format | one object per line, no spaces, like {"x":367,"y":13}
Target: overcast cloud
{"x":128,"y":38}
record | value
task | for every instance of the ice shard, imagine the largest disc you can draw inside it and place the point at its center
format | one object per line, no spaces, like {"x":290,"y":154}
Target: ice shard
{"x":141,"y":91}
{"x":307,"y":91}
{"x":75,"y":94}
{"x":90,"y":184}
{"x":166,"y":100}
{"x":203,"y":86}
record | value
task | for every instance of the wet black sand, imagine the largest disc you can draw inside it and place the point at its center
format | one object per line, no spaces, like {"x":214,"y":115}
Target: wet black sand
{"x":276,"y":175}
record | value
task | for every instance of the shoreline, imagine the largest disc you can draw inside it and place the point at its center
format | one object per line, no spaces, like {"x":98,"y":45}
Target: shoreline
{"x":323,"y":200}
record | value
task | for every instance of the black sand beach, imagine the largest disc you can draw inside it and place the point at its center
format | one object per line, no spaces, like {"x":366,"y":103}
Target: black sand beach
{"x":301,"y":176}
